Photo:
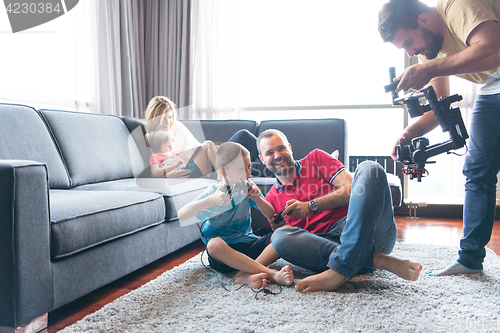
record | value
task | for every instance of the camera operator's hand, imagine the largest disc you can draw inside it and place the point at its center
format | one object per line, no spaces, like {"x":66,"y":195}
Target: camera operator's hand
{"x":414,"y":77}
{"x":402,"y":140}
{"x":423,"y":125}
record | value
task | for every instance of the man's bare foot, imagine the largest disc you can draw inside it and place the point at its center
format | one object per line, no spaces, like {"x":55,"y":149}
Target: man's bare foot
{"x":282,"y":277}
{"x":406,"y":269}
{"x":325,"y":281}
{"x":256,"y":281}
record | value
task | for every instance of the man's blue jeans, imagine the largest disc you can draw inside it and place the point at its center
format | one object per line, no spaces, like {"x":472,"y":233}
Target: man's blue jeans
{"x":481,"y":167}
{"x":369,"y":228}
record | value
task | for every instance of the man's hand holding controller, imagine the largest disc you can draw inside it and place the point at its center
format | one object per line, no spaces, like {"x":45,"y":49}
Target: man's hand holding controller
{"x":278,"y":219}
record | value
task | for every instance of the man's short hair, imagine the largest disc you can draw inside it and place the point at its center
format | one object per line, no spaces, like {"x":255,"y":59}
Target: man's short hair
{"x":228,"y":152}
{"x":269,"y":133}
{"x":397,"y":14}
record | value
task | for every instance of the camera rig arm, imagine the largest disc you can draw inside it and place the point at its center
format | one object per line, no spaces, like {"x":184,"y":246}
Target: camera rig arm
{"x":414,"y":156}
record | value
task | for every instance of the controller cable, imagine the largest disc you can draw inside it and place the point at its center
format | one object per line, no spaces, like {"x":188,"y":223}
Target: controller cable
{"x":264,"y":290}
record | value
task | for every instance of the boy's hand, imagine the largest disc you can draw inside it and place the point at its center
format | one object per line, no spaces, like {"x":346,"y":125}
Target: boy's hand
{"x":221,"y":198}
{"x":253,"y":191}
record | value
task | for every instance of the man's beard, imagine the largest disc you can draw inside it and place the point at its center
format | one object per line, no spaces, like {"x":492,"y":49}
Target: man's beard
{"x":434,"y":43}
{"x":282,"y":171}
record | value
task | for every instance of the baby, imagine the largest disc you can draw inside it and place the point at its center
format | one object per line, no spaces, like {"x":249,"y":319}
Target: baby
{"x":163,"y":160}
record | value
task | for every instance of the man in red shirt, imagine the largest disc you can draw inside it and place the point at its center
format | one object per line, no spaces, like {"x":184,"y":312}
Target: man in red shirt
{"x":334,"y":224}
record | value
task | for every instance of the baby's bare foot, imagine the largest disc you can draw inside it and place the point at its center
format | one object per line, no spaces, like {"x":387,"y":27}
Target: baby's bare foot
{"x":256,"y":281}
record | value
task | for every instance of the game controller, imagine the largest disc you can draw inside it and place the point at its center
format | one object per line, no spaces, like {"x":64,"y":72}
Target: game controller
{"x":278,"y":217}
{"x":236,"y":187}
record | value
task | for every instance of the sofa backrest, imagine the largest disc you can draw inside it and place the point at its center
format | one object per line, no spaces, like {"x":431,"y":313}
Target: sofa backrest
{"x":24,"y":136}
{"x":94,"y":147}
{"x":218,"y":131}
{"x":137,"y":128}
{"x":307,"y":134}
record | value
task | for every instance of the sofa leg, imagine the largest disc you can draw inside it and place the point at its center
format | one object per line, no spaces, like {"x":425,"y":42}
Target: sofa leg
{"x":36,"y":325}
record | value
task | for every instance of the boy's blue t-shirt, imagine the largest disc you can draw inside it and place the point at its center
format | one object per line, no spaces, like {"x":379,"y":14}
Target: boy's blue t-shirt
{"x":232,"y":223}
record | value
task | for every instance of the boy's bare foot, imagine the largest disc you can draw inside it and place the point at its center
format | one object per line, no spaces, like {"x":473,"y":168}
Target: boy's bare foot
{"x":256,"y":281}
{"x":325,"y":281}
{"x":406,"y":269}
{"x":282,"y":277}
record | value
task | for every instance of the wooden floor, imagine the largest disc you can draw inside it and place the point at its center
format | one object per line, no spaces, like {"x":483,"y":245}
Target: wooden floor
{"x":420,"y":230}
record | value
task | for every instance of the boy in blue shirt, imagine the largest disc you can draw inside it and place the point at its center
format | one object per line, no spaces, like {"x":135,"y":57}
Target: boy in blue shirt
{"x":231,"y":244}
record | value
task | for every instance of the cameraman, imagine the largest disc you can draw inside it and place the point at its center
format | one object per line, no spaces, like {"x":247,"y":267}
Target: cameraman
{"x":462,"y":38}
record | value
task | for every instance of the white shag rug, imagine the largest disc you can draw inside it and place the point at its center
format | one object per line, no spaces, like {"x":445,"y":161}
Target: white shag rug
{"x":189,"y":298}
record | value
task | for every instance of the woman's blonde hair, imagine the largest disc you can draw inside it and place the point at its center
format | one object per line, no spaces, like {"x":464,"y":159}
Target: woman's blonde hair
{"x":157,"y":138}
{"x":157,"y":107}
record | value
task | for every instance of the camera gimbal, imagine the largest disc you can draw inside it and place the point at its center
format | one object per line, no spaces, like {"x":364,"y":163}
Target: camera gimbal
{"x":414,"y":156}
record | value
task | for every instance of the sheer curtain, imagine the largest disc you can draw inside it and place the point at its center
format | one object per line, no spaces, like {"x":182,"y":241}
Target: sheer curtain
{"x":214,"y":60}
{"x":142,"y":51}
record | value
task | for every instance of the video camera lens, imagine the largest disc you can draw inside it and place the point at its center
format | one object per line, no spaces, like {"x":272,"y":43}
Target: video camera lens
{"x":404,"y":153}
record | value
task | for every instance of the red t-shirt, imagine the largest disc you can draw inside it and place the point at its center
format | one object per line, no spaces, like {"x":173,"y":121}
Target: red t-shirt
{"x":314,"y":176}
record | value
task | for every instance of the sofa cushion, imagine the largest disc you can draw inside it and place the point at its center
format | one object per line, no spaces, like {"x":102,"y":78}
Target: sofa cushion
{"x":24,"y":136}
{"x":307,"y":134}
{"x":84,"y":219}
{"x":94,"y":147}
{"x":218,"y":131}
{"x":176,"y":192}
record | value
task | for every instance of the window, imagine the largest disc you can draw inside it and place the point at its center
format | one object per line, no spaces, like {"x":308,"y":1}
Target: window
{"x":319,"y":59}
{"x":46,"y":66}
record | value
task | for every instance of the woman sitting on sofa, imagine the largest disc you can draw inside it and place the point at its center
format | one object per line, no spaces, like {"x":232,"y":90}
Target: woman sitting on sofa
{"x":161,"y":115}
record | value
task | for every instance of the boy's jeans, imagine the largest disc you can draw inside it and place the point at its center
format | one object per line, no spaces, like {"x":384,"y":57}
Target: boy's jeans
{"x":369,"y":227}
{"x":481,"y":167}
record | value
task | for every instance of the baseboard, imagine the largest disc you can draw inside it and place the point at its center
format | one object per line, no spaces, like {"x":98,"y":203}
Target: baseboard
{"x":437,"y":211}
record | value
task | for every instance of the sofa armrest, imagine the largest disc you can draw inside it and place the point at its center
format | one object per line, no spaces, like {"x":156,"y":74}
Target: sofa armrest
{"x":26,"y":290}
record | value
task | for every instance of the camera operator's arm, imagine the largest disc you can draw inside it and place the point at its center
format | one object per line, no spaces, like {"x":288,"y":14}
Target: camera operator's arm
{"x":427,"y":122}
{"x":482,"y":54}
{"x":338,"y":198}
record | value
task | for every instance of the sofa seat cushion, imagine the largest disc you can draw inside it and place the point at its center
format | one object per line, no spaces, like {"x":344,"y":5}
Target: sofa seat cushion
{"x":84,"y":219}
{"x":176,"y":192}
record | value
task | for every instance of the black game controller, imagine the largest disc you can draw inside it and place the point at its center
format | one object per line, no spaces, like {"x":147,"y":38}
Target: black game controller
{"x":278,"y":217}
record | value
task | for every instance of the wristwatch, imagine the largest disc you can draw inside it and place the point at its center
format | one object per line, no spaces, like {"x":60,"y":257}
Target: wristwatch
{"x":313,"y":206}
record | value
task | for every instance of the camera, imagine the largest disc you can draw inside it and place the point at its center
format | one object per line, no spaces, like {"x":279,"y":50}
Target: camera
{"x":414,"y":156}
{"x":236,"y":187}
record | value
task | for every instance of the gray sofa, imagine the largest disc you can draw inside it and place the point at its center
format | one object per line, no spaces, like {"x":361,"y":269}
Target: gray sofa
{"x":76,"y":213}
